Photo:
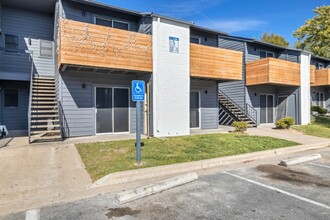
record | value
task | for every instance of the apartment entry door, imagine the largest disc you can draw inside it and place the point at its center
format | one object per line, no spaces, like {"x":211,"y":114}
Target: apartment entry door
{"x":266,"y":108}
{"x":112,"y":110}
{"x":194,"y":110}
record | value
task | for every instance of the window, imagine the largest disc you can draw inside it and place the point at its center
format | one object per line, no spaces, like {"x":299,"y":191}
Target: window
{"x":103,"y":22}
{"x":110,"y":23}
{"x":265,"y":54}
{"x":120,"y":25}
{"x":11,"y":98}
{"x":195,"y":40}
{"x":11,"y":42}
{"x":320,"y":66}
{"x":46,"y":49}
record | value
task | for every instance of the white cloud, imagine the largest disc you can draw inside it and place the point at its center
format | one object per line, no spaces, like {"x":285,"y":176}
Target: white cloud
{"x":232,"y":26}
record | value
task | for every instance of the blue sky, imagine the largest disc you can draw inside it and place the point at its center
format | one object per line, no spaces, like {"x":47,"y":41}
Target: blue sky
{"x":246,"y":18}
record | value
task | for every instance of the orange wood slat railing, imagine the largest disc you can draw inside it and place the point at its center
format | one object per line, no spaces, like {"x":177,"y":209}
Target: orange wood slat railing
{"x":272,"y":71}
{"x":97,"y":46}
{"x":322,"y":77}
{"x":215,"y":63}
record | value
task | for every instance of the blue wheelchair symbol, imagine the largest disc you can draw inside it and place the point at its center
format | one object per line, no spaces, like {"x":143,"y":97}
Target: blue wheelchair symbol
{"x":138,"y":90}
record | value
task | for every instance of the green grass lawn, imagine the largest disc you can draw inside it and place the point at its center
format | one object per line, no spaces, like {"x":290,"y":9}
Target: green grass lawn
{"x":320,"y":127}
{"x":103,"y":158}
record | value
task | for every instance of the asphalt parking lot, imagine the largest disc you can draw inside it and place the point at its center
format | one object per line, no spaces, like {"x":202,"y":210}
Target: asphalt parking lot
{"x":266,"y":191}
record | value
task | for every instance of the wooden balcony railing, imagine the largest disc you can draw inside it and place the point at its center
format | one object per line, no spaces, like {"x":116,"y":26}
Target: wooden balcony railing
{"x":98,"y":46}
{"x":312,"y":73}
{"x":272,"y":71}
{"x":215,"y":63}
{"x":322,"y":77}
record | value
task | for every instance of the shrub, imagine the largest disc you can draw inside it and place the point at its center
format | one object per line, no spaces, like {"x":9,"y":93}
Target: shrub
{"x":284,"y":123}
{"x":319,"y":109}
{"x":240,"y":126}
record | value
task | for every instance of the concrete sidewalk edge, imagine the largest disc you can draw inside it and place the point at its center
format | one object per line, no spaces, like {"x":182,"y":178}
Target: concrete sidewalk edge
{"x":173,"y":169}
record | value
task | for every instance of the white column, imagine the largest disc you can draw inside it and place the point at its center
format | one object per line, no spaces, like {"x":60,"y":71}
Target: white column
{"x":305,"y":86}
{"x":171,"y":80}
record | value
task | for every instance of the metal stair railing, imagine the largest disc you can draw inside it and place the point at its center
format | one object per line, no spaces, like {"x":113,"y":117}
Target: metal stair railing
{"x":30,"y":96}
{"x":64,"y":126}
{"x":252,"y":113}
{"x":232,"y":101}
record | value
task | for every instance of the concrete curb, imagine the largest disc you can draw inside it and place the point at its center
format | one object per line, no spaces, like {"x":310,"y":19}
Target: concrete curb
{"x":298,"y":160}
{"x":152,"y":172}
{"x":140,"y":192}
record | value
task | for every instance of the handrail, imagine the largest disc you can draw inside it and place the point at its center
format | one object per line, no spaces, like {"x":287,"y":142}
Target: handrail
{"x":249,"y":109}
{"x":65,"y":130}
{"x":30,"y":96}
{"x":232,"y":101}
{"x":252,"y":113}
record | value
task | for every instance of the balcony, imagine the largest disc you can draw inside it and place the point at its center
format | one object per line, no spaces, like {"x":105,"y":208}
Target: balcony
{"x":272,"y":71}
{"x":322,"y":77}
{"x":312,"y":74}
{"x":89,"y":45}
{"x":215,"y":63}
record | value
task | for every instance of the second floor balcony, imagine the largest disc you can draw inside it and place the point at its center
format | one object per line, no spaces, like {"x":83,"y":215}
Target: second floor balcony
{"x":322,"y":77}
{"x":215,"y":63}
{"x":95,"y":46}
{"x":272,"y":71}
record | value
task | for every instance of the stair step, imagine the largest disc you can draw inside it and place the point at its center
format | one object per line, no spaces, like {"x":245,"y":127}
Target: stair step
{"x":44,"y":116}
{"x":45,"y":111}
{"x":43,"y":106}
{"x":51,"y":95}
{"x":46,"y":138}
{"x":56,"y":131}
{"x":45,"y":126}
{"x":38,"y":99}
{"x":45,"y":121}
{"x":44,"y":103}
{"x":43,"y":77}
{"x":43,"y":87}
{"x":43,"y":90}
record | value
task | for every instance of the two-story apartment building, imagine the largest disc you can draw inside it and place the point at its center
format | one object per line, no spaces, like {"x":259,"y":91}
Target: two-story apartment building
{"x":66,"y":68}
{"x":275,"y":82}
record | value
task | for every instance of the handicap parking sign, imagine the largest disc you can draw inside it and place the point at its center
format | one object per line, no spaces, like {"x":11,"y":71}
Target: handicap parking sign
{"x":138,"y":90}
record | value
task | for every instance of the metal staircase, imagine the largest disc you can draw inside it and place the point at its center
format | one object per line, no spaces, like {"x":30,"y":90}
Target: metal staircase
{"x":229,"y":112}
{"x":44,"y":122}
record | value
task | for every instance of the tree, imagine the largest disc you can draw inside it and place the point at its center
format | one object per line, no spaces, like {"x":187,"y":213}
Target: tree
{"x":275,"y":39}
{"x":315,"y":33}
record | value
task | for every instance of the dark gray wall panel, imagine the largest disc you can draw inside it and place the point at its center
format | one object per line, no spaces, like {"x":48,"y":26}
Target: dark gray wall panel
{"x":145,"y":25}
{"x":234,"y":89}
{"x":209,"y":102}
{"x":253,"y":97}
{"x":78,"y":103}
{"x":27,"y":25}
{"x":84,"y":13}
{"x":15,"y":118}
{"x":205,"y":38}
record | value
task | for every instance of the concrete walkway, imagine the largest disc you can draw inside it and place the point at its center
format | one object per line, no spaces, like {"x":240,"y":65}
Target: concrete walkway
{"x":39,"y":174}
{"x":288,"y":134}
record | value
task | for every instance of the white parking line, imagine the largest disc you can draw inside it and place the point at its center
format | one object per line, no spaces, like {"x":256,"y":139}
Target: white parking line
{"x":33,"y":214}
{"x":279,"y":190}
{"x":320,"y":165}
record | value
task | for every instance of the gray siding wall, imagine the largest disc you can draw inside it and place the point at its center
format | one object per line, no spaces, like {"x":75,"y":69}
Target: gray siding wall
{"x":326,"y":90}
{"x":253,"y":52}
{"x":25,"y":25}
{"x":15,"y":118}
{"x":205,"y":38}
{"x":145,"y":25}
{"x":209,"y":102}
{"x":293,"y":56}
{"x":253,"y":98}
{"x":84,"y":13}
{"x":234,"y":89}
{"x":79,"y":103}
{"x":315,"y":61}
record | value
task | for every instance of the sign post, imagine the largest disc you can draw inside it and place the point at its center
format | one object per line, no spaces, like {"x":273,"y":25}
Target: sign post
{"x":138,"y":91}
